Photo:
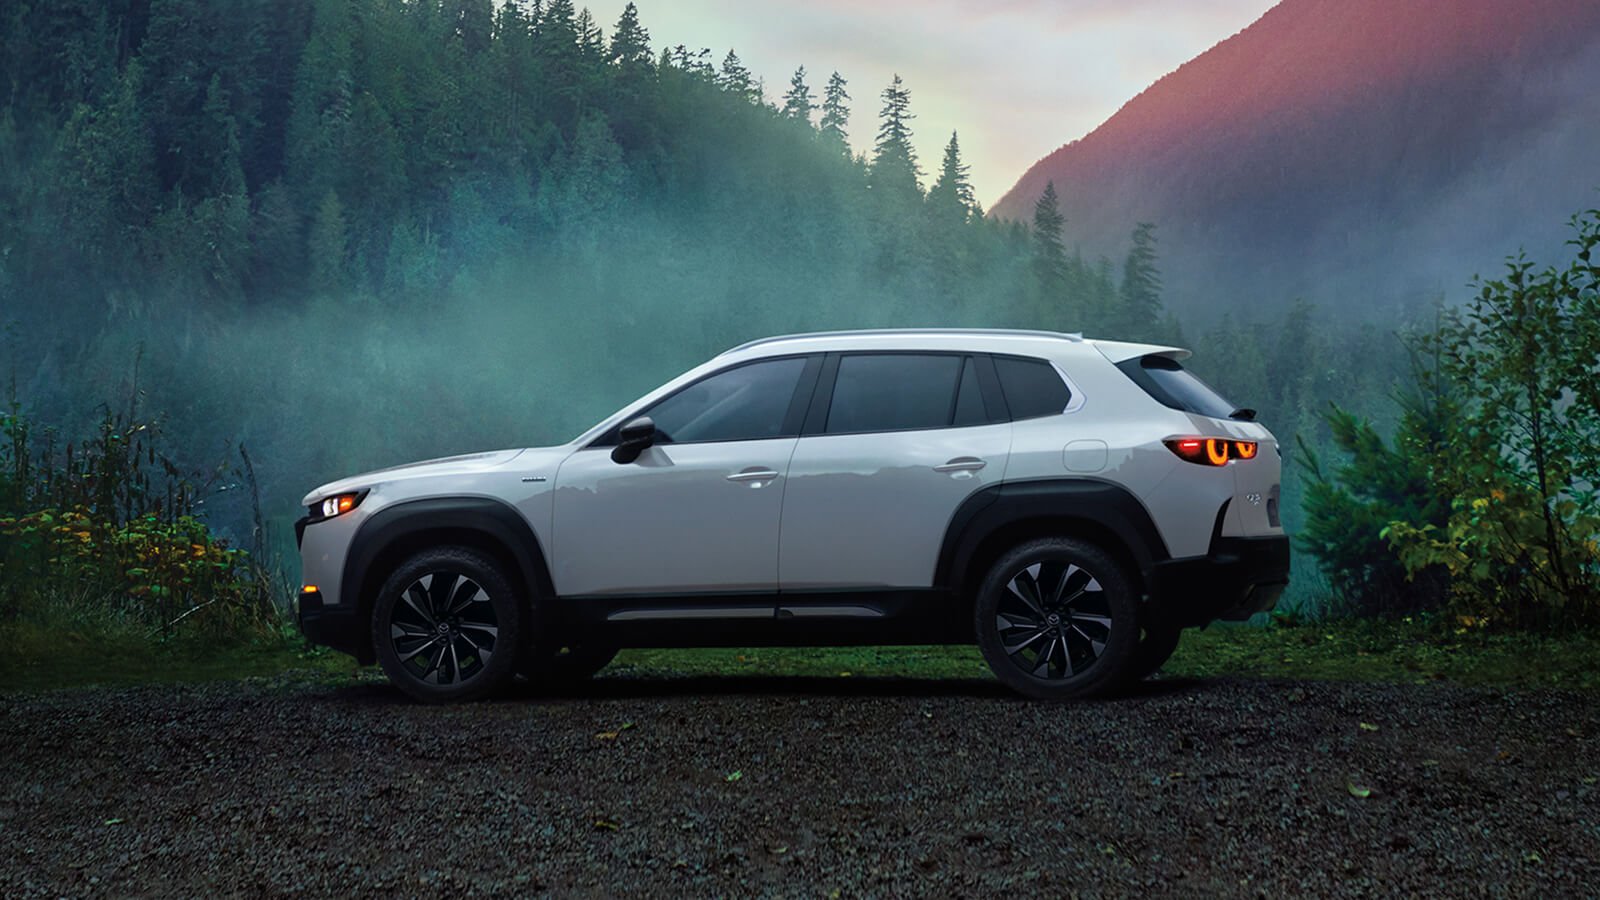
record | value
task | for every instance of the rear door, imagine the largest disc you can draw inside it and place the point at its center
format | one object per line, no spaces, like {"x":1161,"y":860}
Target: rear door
{"x":893,"y":444}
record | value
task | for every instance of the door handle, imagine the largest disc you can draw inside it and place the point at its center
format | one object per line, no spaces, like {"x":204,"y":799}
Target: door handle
{"x":753,"y":475}
{"x":961,"y":464}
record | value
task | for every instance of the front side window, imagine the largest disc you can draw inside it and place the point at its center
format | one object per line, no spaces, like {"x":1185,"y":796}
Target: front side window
{"x":893,"y":392}
{"x":747,"y":403}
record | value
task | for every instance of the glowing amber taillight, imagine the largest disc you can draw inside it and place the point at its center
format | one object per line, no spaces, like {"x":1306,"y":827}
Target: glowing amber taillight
{"x":1211,"y":451}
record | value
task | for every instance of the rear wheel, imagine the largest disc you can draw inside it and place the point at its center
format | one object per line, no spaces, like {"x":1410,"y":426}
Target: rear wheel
{"x":1056,"y":618}
{"x":446,"y":625}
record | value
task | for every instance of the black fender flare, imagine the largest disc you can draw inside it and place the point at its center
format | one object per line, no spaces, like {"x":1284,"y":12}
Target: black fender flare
{"x":400,"y":524}
{"x":1100,"y":506}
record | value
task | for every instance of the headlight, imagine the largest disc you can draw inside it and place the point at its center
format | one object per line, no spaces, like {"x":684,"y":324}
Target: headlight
{"x":337,"y":505}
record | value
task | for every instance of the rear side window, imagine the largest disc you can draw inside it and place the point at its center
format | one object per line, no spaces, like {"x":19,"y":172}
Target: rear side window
{"x":1032,"y":387}
{"x":1174,"y":386}
{"x":893,"y":392}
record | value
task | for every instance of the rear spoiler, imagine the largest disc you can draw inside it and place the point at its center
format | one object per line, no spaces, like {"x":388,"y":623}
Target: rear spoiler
{"x":1118,"y":351}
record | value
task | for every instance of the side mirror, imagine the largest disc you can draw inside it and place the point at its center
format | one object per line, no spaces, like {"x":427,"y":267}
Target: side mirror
{"x":636,"y":435}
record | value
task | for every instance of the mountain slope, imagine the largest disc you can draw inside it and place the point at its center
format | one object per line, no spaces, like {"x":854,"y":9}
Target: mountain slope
{"x":1359,"y":149}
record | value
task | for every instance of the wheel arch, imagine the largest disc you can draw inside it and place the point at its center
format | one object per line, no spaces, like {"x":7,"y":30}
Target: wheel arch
{"x":398,"y":532}
{"x":1004,"y":515}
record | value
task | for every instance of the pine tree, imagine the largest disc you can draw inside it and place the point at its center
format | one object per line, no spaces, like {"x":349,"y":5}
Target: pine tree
{"x":322,"y":103}
{"x":472,"y":23}
{"x":107,"y":186}
{"x":894,"y":162}
{"x":515,"y":81}
{"x":329,"y":245}
{"x":735,"y":79}
{"x":557,"y":32}
{"x":1049,"y":254}
{"x":798,"y":102}
{"x":631,"y":79}
{"x":217,"y":156}
{"x":591,"y":40}
{"x":630,"y":42}
{"x":835,"y":114}
{"x":1141,"y":284}
{"x":696,"y":63}
{"x":951,"y":197}
{"x":587,"y":185}
{"x":555,"y":46}
{"x":175,"y":54}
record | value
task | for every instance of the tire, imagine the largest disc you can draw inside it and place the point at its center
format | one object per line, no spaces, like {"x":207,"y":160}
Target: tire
{"x":568,"y":665}
{"x":446,"y":626}
{"x":1156,"y":645}
{"x":1069,"y":598}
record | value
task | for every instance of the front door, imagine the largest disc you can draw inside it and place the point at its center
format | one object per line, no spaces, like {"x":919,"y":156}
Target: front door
{"x":698,"y":512}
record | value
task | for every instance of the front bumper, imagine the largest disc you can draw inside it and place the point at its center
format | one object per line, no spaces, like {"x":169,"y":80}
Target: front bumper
{"x":1240,"y":577}
{"x":337,"y":627}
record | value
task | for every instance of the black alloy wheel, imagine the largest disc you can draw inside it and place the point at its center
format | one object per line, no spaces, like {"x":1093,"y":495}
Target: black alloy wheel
{"x":446,"y":626}
{"x":444,"y":629}
{"x":1056,"y":618}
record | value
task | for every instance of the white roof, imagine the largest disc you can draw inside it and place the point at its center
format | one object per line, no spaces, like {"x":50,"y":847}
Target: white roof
{"x":978,"y":340}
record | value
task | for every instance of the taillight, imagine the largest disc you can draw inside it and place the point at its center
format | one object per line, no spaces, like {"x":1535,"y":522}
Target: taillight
{"x":1211,"y":451}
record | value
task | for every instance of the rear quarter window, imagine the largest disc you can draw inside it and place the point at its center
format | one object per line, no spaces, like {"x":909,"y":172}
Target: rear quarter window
{"x":1033,"y":387}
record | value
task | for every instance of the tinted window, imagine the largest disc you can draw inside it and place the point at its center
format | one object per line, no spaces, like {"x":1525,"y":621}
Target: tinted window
{"x":1032,"y":387}
{"x":969,"y":398}
{"x":743,"y":404}
{"x":893,"y":392}
{"x":1174,"y":386}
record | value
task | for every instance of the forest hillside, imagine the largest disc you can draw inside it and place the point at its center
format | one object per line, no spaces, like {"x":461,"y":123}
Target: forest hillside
{"x":1362,"y":152}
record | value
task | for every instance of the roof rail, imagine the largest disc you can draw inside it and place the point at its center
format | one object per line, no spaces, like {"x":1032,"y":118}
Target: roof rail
{"x":1012,"y":332}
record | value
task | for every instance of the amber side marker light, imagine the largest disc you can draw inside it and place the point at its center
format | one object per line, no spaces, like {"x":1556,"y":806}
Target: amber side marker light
{"x":309,"y":589}
{"x":1211,"y":451}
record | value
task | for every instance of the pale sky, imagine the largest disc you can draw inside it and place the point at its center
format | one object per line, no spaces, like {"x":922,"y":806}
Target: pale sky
{"x":1016,"y":78}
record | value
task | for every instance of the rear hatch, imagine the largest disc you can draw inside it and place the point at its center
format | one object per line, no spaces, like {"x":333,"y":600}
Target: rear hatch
{"x":1254,"y":507}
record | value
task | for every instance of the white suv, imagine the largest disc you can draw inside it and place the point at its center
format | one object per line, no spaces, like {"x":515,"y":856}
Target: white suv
{"x":1067,"y":504}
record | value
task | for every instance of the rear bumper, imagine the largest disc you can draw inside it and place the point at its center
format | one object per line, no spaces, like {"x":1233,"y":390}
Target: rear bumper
{"x":1237,"y":579}
{"x":337,"y":627}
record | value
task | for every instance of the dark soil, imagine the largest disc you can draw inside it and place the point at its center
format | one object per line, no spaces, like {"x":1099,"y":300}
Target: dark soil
{"x":696,"y":787}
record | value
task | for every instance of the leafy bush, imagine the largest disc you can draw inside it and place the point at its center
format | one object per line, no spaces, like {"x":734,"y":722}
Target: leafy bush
{"x":1522,"y":539}
{"x":90,"y":531}
{"x":1487,"y":504}
{"x":1348,"y":507}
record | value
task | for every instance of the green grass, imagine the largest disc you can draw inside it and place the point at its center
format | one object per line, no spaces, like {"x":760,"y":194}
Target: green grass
{"x":1342,"y":651}
{"x":39,"y":658}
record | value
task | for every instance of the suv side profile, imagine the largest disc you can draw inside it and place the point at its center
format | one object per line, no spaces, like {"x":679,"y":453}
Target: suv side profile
{"x":1068,"y":505}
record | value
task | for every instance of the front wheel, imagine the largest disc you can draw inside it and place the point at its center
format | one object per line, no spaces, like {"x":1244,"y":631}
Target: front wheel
{"x":1057,"y":618}
{"x":446,"y":626}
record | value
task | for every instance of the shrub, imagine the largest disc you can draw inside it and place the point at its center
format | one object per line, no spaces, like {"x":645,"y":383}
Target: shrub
{"x":1522,"y":538}
{"x":108,"y":526}
{"x":1348,"y":506}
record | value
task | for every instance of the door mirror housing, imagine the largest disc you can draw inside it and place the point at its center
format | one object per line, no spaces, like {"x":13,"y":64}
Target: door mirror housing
{"x":634,"y":438}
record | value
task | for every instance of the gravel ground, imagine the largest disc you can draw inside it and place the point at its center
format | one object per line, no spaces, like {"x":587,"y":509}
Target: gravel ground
{"x":801,"y":787}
